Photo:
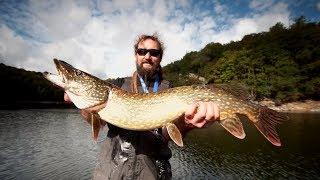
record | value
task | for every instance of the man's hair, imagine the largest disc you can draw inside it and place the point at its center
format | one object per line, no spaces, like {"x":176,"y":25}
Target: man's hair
{"x":154,"y":37}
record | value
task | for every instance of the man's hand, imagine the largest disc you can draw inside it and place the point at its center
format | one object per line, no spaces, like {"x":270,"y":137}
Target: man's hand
{"x":202,"y":114}
{"x":198,"y":115}
{"x":66,"y":98}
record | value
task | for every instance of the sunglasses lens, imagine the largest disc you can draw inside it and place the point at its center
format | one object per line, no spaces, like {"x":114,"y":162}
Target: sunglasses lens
{"x":142,"y":52}
{"x":153,"y":52}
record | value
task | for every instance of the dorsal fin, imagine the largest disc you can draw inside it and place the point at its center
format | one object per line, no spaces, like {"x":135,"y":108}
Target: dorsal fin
{"x":236,"y":89}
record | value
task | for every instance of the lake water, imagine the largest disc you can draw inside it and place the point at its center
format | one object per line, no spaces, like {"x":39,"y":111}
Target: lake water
{"x":57,"y":144}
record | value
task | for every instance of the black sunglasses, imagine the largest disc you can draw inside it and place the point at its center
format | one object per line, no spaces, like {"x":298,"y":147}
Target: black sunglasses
{"x":153,"y":52}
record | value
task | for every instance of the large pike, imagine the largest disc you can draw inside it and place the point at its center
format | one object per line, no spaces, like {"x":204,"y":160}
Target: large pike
{"x":150,"y":111}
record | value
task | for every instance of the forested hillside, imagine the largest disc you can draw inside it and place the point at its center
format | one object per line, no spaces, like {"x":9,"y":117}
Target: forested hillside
{"x":282,"y":64}
{"x":19,"y":86}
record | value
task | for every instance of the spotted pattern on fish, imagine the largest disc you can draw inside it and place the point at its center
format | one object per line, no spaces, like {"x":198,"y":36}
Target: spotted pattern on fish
{"x":150,"y":111}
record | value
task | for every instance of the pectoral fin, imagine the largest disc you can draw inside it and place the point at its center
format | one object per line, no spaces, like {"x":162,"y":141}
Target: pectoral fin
{"x":234,"y":126}
{"x":174,"y":134}
{"x":95,"y":125}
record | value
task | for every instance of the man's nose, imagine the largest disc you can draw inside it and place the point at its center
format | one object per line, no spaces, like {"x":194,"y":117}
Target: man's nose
{"x":147,"y":56}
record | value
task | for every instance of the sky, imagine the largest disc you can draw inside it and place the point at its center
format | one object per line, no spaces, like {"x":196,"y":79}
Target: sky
{"x":98,"y":36}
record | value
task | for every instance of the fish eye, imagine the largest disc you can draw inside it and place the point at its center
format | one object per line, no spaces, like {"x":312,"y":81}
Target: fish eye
{"x":78,"y":73}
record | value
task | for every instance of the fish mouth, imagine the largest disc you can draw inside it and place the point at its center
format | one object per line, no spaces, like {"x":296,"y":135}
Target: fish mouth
{"x":55,"y":79}
{"x":63,"y":71}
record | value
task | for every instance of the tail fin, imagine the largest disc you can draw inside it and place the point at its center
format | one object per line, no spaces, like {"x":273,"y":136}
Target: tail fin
{"x":268,"y":119}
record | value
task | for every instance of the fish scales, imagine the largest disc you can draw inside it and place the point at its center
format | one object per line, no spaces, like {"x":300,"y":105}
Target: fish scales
{"x":146,"y":108}
{"x":154,"y":110}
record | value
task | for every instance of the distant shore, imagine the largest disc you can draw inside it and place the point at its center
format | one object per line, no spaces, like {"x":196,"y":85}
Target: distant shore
{"x":307,"y":106}
{"x":36,"y":105}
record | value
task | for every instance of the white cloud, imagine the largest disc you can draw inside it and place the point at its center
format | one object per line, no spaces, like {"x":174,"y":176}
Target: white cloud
{"x":258,"y":23}
{"x":60,"y":20}
{"x":103,"y":44}
{"x":318,"y":6}
{"x":13,"y":48}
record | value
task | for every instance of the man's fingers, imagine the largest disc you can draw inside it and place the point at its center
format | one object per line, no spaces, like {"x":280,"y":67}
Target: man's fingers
{"x":213,"y":112}
{"x":210,"y":111}
{"x":201,"y":113}
{"x":216,"y":112}
{"x":191,"y":111}
{"x":66,"y":98}
{"x":200,"y":124}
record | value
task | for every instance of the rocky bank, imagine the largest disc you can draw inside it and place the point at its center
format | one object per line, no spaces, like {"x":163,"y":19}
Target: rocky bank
{"x":294,"y":107}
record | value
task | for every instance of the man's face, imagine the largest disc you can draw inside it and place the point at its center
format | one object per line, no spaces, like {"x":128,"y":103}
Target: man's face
{"x":150,"y":61}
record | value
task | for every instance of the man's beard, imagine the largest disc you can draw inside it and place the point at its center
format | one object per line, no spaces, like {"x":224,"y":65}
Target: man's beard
{"x":148,"y":73}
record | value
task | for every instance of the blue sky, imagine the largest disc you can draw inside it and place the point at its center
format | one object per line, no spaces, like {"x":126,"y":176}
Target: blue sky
{"x":97,"y":36}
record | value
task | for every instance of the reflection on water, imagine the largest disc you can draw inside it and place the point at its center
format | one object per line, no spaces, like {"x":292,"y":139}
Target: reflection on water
{"x":57,"y":144}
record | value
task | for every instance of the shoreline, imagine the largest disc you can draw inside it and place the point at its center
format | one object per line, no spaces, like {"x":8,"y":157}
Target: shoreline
{"x":36,"y":105}
{"x":306,"y":106}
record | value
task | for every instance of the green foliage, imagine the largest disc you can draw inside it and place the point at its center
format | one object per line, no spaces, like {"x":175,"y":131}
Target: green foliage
{"x":312,"y":88}
{"x":282,"y":64}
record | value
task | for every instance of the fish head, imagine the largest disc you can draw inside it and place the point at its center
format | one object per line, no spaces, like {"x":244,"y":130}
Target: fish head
{"x":69,"y":78}
{"x":67,"y":72}
{"x":73,"y":78}
{"x":84,"y":90}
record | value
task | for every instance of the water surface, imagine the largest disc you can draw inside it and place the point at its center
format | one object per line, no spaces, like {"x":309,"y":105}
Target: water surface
{"x":57,"y":144}
{"x":214,"y":153}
